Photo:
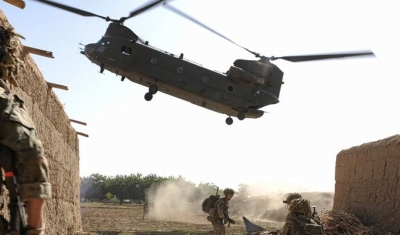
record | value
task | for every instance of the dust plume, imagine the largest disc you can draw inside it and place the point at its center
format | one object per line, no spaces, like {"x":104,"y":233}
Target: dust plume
{"x":181,"y":201}
{"x":175,"y":201}
{"x":263,"y":201}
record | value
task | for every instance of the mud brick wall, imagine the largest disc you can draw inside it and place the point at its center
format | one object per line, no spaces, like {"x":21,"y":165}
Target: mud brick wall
{"x":368,"y":183}
{"x":61,"y":144}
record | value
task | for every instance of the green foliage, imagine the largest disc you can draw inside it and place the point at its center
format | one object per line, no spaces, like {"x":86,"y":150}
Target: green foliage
{"x":93,"y":187}
{"x":134,"y":187}
{"x":109,"y":196}
{"x":131,"y":187}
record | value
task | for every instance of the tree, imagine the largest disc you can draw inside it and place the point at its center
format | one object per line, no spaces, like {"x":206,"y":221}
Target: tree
{"x":93,"y":187}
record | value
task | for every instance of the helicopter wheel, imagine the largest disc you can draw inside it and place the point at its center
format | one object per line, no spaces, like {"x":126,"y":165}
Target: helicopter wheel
{"x":148,"y":96}
{"x":241,"y":116}
{"x":229,"y":120}
{"x":153,"y":89}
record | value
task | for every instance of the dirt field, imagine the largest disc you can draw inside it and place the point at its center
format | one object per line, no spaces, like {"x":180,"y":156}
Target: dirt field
{"x":112,"y":219}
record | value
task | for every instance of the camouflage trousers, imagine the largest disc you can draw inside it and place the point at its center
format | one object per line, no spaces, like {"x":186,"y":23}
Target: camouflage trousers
{"x":218,"y":226}
{"x":17,"y":132}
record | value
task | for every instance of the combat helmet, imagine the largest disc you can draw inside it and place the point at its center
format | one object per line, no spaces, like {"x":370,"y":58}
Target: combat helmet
{"x":300,"y":206}
{"x":291,"y":196}
{"x":229,"y":191}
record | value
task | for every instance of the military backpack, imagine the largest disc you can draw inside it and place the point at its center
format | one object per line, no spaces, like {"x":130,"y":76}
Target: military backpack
{"x":209,"y":203}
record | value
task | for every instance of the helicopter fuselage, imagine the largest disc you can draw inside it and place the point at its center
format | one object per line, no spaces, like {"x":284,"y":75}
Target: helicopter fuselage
{"x":236,"y":92}
{"x":246,"y":87}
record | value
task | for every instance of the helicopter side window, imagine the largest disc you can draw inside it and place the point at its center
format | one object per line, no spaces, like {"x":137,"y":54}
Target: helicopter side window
{"x":126,"y":50}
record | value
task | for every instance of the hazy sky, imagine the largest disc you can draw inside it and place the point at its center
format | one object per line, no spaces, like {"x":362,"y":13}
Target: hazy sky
{"x":325,"y":106}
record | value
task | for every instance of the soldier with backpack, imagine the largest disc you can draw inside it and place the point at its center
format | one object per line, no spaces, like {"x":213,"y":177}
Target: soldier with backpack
{"x":17,"y":132}
{"x":219,"y":215}
{"x":299,"y":221}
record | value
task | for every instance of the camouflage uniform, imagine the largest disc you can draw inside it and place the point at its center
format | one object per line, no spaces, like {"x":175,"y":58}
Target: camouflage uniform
{"x":299,"y":212}
{"x":289,"y":199}
{"x":217,"y":216}
{"x":218,"y":223}
{"x":291,"y":196}
{"x":17,"y":130}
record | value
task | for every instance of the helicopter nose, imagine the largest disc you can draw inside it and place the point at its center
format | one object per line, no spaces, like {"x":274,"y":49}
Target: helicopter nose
{"x":89,"y":49}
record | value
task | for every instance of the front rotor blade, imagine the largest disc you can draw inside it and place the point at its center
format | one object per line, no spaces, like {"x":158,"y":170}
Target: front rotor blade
{"x":173,"y":9}
{"x":302,"y":58}
{"x":142,"y":9}
{"x":70,"y":9}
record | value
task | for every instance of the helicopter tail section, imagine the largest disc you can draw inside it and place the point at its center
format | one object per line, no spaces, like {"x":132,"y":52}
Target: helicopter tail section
{"x":263,"y":75}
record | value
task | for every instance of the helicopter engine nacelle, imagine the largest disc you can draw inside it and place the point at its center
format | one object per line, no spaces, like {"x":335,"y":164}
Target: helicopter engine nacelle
{"x":239,"y":75}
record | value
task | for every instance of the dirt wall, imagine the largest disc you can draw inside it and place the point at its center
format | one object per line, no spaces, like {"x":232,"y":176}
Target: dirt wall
{"x":368,"y":183}
{"x":61,"y":145}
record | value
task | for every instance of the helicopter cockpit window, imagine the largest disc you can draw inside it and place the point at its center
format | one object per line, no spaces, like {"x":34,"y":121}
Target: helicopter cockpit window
{"x":126,"y":50}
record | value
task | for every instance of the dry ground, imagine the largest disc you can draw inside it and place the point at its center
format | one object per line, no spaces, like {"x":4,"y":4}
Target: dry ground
{"x":113,"y":219}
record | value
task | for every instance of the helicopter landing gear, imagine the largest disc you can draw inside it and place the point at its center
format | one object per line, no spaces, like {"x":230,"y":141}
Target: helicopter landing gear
{"x":101,"y":68}
{"x":229,"y":120}
{"x":122,"y":78}
{"x":241,"y":116}
{"x":148,"y":96}
{"x":153,"y":89}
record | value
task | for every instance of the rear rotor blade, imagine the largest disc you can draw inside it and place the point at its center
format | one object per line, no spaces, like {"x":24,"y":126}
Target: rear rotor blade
{"x":173,"y":9}
{"x":71,"y":9}
{"x":302,"y":58}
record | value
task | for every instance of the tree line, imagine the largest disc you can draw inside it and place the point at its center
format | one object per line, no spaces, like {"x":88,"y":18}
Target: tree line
{"x":134,"y":187}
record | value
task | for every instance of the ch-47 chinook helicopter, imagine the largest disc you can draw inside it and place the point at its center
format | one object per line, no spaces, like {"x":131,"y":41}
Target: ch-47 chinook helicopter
{"x":246,"y":87}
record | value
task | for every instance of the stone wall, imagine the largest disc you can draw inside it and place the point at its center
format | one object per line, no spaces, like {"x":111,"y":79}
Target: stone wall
{"x":61,"y":144}
{"x":368,"y":183}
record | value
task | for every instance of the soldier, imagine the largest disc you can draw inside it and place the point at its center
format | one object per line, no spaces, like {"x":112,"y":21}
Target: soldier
{"x":289,"y":199}
{"x":145,"y":210}
{"x":17,"y":132}
{"x":299,"y":215}
{"x":219,"y":215}
{"x":292,"y":196}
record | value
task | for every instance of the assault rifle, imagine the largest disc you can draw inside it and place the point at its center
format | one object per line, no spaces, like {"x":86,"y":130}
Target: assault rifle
{"x":230,"y":221}
{"x":18,"y":219}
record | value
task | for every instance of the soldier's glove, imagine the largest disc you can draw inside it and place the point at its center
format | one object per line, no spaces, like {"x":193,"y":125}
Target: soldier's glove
{"x":225,"y":220}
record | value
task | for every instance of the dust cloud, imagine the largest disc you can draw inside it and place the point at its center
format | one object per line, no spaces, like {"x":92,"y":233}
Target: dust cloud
{"x":175,"y":201}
